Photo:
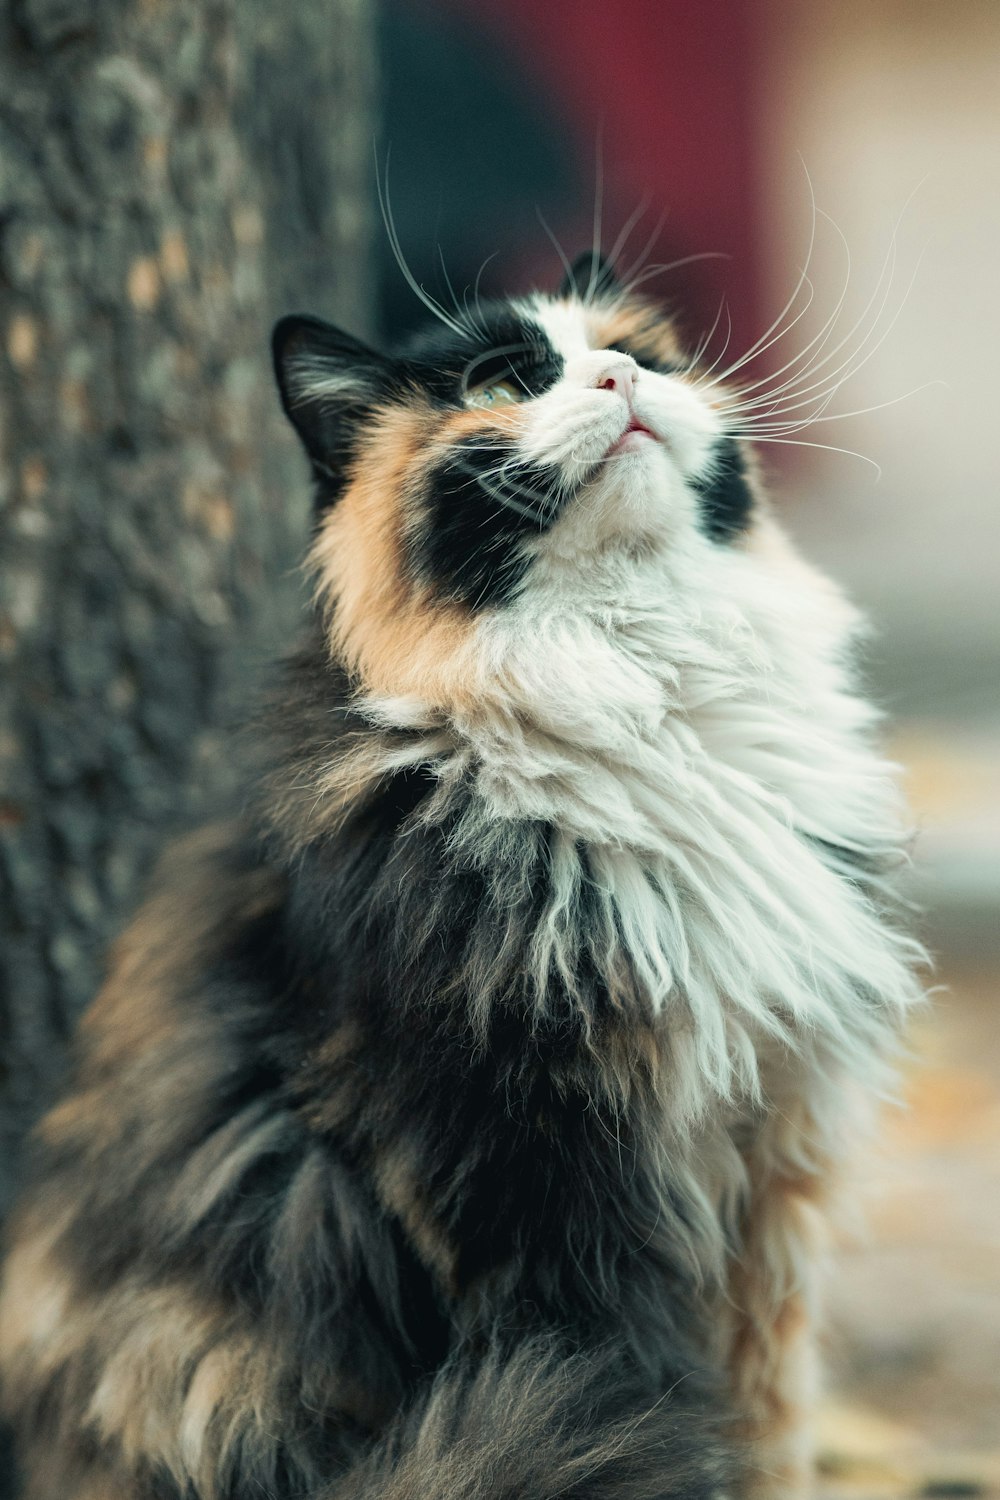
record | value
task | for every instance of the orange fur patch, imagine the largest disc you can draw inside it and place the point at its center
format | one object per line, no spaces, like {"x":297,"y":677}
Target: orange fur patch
{"x":772,"y":1354}
{"x":397,"y":1181}
{"x":637,"y":325}
{"x":390,"y":631}
{"x":35,"y":1302}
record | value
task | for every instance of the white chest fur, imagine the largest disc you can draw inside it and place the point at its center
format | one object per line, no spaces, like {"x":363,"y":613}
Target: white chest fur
{"x":690,"y":733}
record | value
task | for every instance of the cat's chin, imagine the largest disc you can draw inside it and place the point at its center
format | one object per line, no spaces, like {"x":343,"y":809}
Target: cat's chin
{"x":634,"y":439}
{"x":637,"y":502}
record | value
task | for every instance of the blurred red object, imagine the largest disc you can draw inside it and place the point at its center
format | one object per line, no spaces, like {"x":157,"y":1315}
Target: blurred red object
{"x":663,"y":91}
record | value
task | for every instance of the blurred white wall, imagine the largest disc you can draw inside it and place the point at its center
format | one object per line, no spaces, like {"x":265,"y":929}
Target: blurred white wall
{"x":883,"y":100}
{"x":894,"y":107}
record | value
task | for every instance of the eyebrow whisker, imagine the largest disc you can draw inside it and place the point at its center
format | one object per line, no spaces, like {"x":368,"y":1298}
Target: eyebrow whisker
{"x":432,"y":305}
{"x":497,"y":352}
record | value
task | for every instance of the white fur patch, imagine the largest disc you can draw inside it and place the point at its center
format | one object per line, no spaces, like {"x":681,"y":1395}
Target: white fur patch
{"x":561,"y":320}
{"x":311,"y":379}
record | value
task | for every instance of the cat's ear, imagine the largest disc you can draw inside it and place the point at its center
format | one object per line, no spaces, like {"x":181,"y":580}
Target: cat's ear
{"x":589,"y":276}
{"x":328,"y":380}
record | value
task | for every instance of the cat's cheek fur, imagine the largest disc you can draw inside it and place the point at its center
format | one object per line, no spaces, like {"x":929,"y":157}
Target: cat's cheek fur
{"x":392,"y":632}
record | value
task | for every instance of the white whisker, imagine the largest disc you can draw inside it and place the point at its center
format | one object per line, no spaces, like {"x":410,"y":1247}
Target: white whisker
{"x":766,"y":383}
{"x":494,"y":353}
{"x":818,"y":341}
{"x":623,"y":236}
{"x":462,"y":316}
{"x":662,"y":267}
{"x":432,"y":305}
{"x":816,"y":374}
{"x":707,"y":338}
{"x":886,"y":274}
{"x":825,"y":391}
{"x":627,"y":279}
{"x":860,"y":411}
{"x":829,"y":447}
{"x":566,"y":264}
{"x":480,"y":320}
{"x":726,"y":342}
{"x":761,"y":343}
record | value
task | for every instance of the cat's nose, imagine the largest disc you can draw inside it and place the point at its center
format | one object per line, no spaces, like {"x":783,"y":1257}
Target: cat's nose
{"x":617,"y":374}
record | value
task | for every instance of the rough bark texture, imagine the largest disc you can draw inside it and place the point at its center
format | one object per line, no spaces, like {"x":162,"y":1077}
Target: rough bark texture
{"x":172,"y":174}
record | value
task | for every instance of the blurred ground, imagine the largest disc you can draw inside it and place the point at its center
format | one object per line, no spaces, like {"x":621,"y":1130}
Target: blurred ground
{"x":915,"y":1308}
{"x":915,"y":1305}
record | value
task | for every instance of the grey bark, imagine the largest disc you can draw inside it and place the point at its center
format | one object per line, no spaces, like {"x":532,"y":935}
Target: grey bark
{"x":173,"y":173}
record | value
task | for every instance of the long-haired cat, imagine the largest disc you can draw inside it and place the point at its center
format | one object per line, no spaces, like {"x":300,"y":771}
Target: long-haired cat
{"x":459,"y":1123}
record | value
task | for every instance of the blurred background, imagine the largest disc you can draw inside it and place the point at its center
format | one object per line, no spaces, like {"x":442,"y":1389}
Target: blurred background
{"x":176,"y":173}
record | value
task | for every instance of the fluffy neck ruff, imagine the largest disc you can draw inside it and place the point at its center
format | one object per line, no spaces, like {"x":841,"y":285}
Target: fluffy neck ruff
{"x":721,"y":835}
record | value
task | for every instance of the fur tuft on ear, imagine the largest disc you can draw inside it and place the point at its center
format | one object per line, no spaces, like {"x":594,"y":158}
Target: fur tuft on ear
{"x":588,"y":277}
{"x":328,"y":380}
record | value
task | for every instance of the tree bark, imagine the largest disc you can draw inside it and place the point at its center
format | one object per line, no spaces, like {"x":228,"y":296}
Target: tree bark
{"x":173,"y":173}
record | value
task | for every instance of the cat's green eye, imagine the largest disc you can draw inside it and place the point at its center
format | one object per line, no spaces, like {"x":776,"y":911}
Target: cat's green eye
{"x":494,"y":393}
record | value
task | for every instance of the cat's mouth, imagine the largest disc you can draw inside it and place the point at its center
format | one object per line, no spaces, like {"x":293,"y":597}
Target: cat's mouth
{"x":636,"y":435}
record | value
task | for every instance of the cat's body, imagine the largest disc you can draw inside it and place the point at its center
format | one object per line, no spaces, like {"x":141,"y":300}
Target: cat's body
{"x":459,"y":1123}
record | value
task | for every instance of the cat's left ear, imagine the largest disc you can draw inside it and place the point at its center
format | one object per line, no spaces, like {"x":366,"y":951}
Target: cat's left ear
{"x":589,"y":276}
{"x":328,"y":382}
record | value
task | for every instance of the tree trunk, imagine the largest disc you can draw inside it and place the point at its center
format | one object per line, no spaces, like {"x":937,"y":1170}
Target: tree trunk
{"x":173,"y":173}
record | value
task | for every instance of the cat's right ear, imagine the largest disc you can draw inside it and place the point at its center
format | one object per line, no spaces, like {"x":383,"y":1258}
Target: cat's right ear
{"x":328,"y":381}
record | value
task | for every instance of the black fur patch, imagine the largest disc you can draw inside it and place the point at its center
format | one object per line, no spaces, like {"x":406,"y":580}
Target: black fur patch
{"x":508,"y":1141}
{"x":725,"y":496}
{"x":498,"y":344}
{"x":480,"y":506}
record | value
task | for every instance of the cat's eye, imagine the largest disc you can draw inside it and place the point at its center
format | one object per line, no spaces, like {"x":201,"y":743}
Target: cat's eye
{"x":493,"y":393}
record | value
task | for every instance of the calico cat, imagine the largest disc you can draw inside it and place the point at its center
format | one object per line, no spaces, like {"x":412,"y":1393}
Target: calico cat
{"x":462,"y":1121}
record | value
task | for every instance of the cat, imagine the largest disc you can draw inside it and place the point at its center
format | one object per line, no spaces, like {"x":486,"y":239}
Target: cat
{"x":464,"y":1118}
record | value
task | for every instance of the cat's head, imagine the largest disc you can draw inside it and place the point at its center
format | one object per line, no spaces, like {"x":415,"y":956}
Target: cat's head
{"x":456,"y":471}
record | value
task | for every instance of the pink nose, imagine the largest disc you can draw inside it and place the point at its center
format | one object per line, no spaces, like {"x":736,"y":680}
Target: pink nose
{"x":619,"y":377}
